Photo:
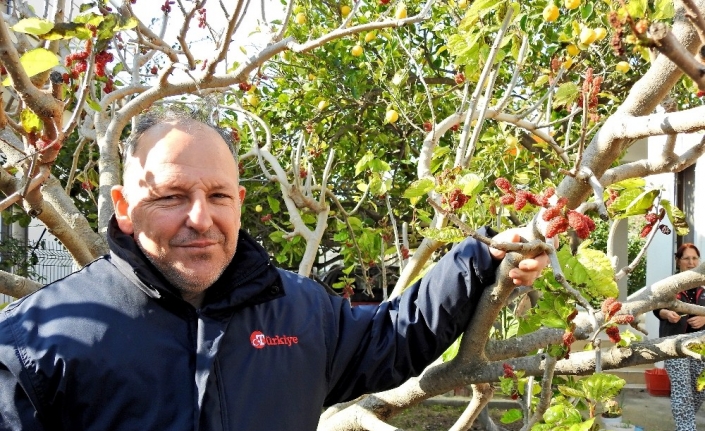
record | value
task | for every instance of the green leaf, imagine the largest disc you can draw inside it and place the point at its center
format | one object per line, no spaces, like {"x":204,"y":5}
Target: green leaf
{"x":677,"y":218}
{"x":377,"y":165}
{"x":452,"y":351}
{"x":571,"y":392}
{"x":447,"y":234}
{"x":700,"y":384}
{"x":35,"y":26}
{"x":362,"y":163}
{"x":566,"y":94}
{"x":641,"y":204}
{"x":470,"y":184}
{"x":30,"y":121}
{"x":482,"y":7}
{"x":126,"y":24}
{"x":35,"y":62}
{"x":601,"y":387}
{"x":274,"y":205}
{"x":93,"y":104}
{"x":419,"y":188}
{"x":663,"y":9}
{"x":637,"y":8}
{"x":599,"y":270}
{"x":511,"y":415}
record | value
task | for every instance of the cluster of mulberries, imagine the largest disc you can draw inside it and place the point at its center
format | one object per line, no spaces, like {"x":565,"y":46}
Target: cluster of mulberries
{"x":610,"y":307}
{"x":456,"y":199}
{"x":202,"y":18}
{"x":101,"y":60}
{"x":508,"y":371}
{"x":652,"y":220}
{"x":623,"y":319}
{"x":166,"y":7}
{"x":559,"y":219}
{"x":76,"y":62}
{"x":520,"y":198}
{"x":616,"y":42}
{"x":591,"y":88}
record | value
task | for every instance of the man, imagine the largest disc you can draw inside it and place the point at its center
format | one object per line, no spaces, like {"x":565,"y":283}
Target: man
{"x":186,"y":324}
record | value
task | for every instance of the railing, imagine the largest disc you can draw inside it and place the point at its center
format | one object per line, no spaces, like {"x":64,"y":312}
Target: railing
{"x":44,"y":261}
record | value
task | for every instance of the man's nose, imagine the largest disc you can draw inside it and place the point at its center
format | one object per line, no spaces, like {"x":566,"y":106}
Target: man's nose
{"x":199,"y":217}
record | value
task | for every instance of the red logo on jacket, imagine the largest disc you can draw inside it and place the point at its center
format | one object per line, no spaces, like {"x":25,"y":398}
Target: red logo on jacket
{"x":259,"y":340}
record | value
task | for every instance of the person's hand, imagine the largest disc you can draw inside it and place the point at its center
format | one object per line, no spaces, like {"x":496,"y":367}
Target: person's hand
{"x":528,"y":269}
{"x":696,"y":322}
{"x":669,"y":315}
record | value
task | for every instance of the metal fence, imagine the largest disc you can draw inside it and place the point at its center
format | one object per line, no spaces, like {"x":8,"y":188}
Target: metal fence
{"x":44,"y":261}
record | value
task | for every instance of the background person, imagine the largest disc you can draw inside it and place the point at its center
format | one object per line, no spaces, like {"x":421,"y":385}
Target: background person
{"x":187,"y":325}
{"x":684,"y":372}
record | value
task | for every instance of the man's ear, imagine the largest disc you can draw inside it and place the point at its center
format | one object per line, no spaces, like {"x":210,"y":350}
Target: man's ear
{"x":121,"y":206}
{"x":242,"y":192}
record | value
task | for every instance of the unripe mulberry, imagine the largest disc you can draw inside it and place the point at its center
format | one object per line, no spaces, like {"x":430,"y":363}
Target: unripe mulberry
{"x":503,"y":184}
{"x":613,"y":333}
{"x":555,"y":226}
{"x":623,"y":319}
{"x":606,"y":304}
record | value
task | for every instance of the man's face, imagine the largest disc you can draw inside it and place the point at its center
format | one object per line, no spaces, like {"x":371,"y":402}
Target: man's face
{"x":181,"y":200}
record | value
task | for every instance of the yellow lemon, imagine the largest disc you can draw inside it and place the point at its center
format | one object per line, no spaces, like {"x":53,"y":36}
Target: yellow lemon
{"x":601,"y":32}
{"x":300,"y":18}
{"x":345,"y":10}
{"x":252,"y":99}
{"x":568,"y":62}
{"x":587,"y":36}
{"x":370,"y":36}
{"x":323,"y":104}
{"x":392,"y":116}
{"x":623,"y":67}
{"x":572,"y":4}
{"x":401,"y":11}
{"x":258,"y":208}
{"x":572,"y":50}
{"x":356,"y":51}
{"x":550,"y":13}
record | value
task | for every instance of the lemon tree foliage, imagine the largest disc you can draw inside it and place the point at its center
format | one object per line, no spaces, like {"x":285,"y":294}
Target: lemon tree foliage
{"x":351,"y":116}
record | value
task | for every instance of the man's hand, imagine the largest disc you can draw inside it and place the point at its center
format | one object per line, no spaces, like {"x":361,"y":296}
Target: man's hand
{"x":528,"y":270}
{"x":697,"y":322}
{"x":669,"y":315}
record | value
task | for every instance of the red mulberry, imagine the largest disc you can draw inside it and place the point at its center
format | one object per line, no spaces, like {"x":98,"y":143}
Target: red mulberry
{"x":550,"y":213}
{"x":568,"y":338}
{"x":507,"y":199}
{"x":646,"y":230}
{"x":521,"y":200}
{"x":613,"y":333}
{"x":555,"y":226}
{"x":503,"y":184}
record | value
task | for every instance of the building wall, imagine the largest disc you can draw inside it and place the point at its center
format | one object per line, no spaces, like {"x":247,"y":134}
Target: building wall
{"x":660,"y":255}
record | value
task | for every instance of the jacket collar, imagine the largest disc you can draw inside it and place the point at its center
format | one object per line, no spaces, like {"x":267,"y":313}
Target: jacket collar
{"x":249,"y":278}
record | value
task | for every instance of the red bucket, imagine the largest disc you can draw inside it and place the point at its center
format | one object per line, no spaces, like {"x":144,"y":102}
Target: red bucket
{"x":657,"y":382}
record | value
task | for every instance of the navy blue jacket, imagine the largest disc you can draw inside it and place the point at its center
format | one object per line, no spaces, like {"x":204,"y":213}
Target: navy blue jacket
{"x":114,"y":347}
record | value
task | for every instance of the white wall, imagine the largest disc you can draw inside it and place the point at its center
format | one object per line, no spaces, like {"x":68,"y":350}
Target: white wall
{"x":660,"y":255}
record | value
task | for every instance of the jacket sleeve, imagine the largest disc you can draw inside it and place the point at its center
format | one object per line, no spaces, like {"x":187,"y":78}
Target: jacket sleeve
{"x":379,"y":347}
{"x":16,"y":410}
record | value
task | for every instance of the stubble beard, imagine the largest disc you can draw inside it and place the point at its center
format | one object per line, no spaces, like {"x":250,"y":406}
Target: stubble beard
{"x":182,"y":279}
